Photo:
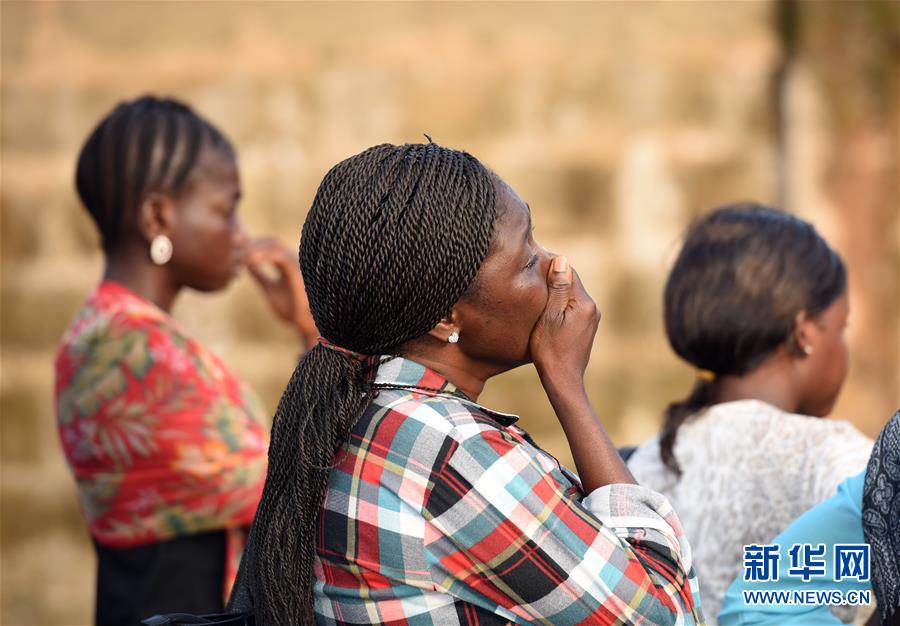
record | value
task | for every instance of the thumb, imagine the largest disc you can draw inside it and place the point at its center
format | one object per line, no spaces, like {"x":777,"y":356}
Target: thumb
{"x":559,"y":282}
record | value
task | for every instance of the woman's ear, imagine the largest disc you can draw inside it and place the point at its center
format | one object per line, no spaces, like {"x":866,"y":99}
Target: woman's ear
{"x":448,"y":329}
{"x":804,"y":337}
{"x":156,"y":216}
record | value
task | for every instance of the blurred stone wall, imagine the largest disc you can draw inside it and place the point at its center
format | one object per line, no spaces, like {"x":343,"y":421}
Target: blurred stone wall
{"x":617,"y":122}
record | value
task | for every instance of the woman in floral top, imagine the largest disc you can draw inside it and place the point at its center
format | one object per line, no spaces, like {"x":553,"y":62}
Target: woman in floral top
{"x":167,"y":447}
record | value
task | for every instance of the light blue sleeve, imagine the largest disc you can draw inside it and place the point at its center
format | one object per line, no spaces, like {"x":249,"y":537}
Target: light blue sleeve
{"x":835,"y":521}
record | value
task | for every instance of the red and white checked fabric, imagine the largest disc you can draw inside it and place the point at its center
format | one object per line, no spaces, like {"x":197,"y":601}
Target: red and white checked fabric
{"x":441,"y":511}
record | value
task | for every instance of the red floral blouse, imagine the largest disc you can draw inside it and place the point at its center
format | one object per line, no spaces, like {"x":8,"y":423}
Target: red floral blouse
{"x":162,"y":439}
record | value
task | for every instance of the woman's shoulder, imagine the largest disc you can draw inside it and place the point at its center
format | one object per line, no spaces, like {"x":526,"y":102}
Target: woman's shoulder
{"x":709,"y":436}
{"x":761,"y":420}
{"x":809,"y":432}
{"x":800,"y":454}
{"x":112,"y":311}
{"x":422,"y":432}
{"x":117,"y":329}
{"x":749,"y":432}
{"x":434,"y":425}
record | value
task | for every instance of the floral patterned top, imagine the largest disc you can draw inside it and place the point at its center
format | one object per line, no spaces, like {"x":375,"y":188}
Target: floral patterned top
{"x":162,"y":439}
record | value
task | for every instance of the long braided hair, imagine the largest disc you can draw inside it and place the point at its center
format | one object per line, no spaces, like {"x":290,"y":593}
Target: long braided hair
{"x":394,"y":237}
{"x":743,"y":274}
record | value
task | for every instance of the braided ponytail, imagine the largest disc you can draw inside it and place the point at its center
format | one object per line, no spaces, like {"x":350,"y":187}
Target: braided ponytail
{"x":676,"y":414}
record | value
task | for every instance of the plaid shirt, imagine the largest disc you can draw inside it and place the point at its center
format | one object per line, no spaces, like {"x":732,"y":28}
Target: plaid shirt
{"x":440,"y":511}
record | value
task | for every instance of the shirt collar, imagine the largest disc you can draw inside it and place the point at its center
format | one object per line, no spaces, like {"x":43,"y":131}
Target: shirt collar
{"x":403,"y":373}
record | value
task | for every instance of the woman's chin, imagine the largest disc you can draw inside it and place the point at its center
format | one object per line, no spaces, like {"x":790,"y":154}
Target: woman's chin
{"x":212,"y":284}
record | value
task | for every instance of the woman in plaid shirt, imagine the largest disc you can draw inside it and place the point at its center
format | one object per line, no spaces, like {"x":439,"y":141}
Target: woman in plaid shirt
{"x":392,"y":496}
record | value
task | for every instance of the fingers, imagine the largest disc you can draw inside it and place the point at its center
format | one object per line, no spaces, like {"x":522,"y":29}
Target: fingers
{"x":584,"y":299}
{"x":269,"y":249}
{"x":269,"y":278}
{"x":566,"y":292}
{"x":559,"y":283}
{"x":258,"y":272}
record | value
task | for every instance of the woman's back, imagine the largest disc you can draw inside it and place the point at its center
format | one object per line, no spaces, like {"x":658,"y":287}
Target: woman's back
{"x":163,"y":440}
{"x":442,"y":509}
{"x":748,"y":470}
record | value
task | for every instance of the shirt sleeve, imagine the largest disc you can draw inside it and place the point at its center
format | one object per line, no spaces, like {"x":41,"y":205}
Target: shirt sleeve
{"x":837,"y":520}
{"x":510,"y":533}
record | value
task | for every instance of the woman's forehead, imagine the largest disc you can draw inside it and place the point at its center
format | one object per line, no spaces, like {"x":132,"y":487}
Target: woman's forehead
{"x":512,"y":211}
{"x":216,"y":163}
{"x":512,"y":228}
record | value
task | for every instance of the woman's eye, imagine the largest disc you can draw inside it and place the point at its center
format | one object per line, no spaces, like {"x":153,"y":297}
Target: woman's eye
{"x":531,"y":262}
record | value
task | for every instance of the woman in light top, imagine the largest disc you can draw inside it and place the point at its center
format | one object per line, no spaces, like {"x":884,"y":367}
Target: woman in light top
{"x":757,"y":302}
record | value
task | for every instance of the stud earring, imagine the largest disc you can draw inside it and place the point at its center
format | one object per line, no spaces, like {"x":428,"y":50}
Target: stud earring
{"x":807,"y":350}
{"x":454,"y":337}
{"x":161,"y":250}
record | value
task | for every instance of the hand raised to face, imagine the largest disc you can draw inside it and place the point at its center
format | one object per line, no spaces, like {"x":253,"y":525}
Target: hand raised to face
{"x":562,"y":339}
{"x":277,"y":272}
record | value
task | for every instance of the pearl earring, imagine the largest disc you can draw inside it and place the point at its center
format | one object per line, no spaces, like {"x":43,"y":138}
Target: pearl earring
{"x":161,"y":250}
{"x":807,"y":350}
{"x":454,"y":337}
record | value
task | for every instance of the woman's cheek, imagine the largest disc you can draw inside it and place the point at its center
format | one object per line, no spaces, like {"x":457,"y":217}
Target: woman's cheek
{"x":540,"y":293}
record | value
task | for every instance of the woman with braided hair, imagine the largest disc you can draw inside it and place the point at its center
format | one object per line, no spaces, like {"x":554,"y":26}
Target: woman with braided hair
{"x":392,"y":496}
{"x":167,"y":446}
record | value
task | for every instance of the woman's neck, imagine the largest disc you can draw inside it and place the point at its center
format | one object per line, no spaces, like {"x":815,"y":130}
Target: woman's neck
{"x":466,"y":373}
{"x":151,"y":282}
{"x":461,"y":377}
{"x":771,"y":382}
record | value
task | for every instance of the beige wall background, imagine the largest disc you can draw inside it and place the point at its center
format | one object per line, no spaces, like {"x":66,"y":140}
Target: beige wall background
{"x":617,"y":121}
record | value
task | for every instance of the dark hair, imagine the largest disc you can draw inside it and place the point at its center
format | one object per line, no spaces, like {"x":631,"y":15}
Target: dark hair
{"x":394,"y":237}
{"x":147,"y":145}
{"x":743,"y":274}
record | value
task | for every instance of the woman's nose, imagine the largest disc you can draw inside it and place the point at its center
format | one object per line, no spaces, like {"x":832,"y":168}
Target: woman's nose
{"x":239,"y":233}
{"x":240,"y":237}
{"x":546,"y":256}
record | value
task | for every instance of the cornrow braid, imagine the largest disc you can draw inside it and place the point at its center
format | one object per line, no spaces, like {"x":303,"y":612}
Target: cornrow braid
{"x":394,"y":237}
{"x":143,"y":146}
